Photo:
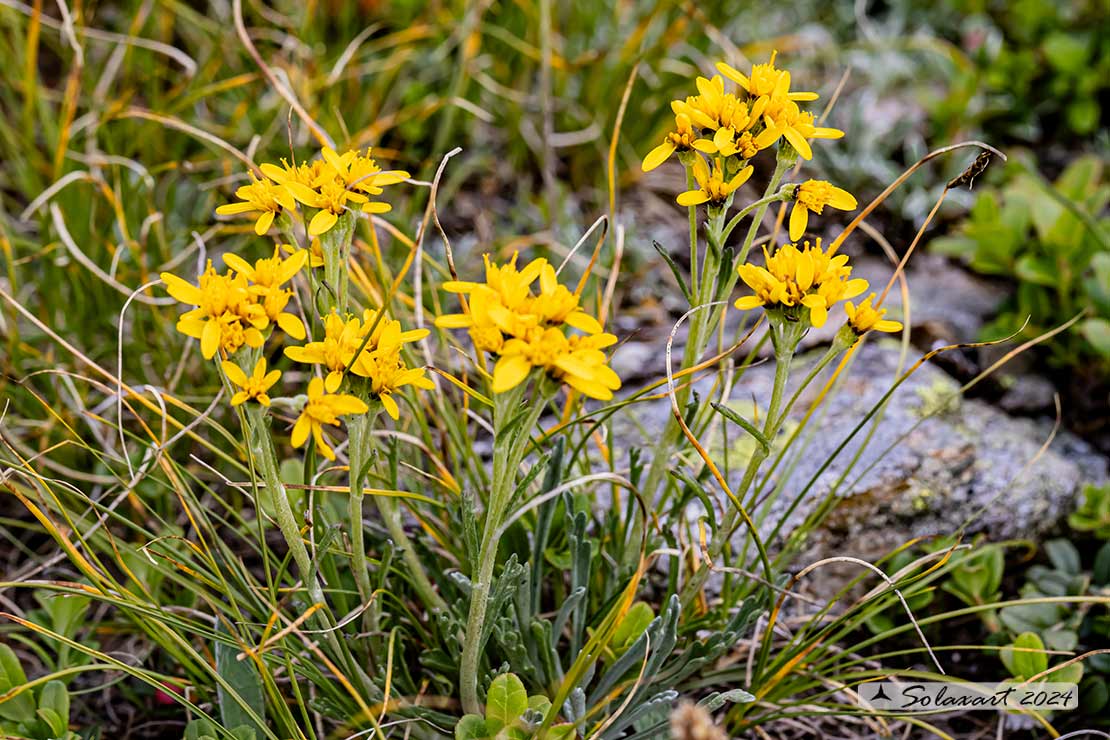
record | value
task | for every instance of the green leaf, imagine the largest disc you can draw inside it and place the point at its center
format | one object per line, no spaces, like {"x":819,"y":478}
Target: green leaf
{"x":1064,"y":556}
{"x":1066,"y":52}
{"x":1100,"y":574}
{"x":1071,"y":673}
{"x":1035,"y":269}
{"x":744,"y":424}
{"x":674,"y":270}
{"x":562,"y":731}
{"x":55,"y":699}
{"x":471,"y":727}
{"x":632,"y":625}
{"x":1093,"y":695}
{"x":1097,"y":332}
{"x":242,"y":675}
{"x":1028,"y":659}
{"x":58,"y":725}
{"x":506,"y":700}
{"x":715,"y":701}
{"x":20,"y":708}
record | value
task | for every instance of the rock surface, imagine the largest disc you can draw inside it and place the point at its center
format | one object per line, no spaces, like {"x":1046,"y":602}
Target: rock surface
{"x":935,"y":462}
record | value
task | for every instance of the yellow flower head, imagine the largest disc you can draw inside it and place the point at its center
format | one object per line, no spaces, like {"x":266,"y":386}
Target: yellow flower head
{"x":794,"y":278}
{"x":714,"y":189}
{"x":227,"y":313}
{"x":267,"y":275}
{"x":526,"y":329}
{"x":501,"y":303}
{"x":864,"y":318}
{"x":330,"y":197}
{"x":556,"y":304}
{"x":797,"y":126}
{"x":681,"y":139}
{"x":342,"y":339}
{"x":315,"y":252}
{"x":255,"y":386}
{"x":385,"y":368}
{"x":323,"y":408}
{"x":358,"y":172}
{"x":262,"y":197}
{"x":268,"y":272}
{"x":310,"y":174}
{"x":814,"y":195}
{"x":577,"y":361}
{"x":765,"y":81}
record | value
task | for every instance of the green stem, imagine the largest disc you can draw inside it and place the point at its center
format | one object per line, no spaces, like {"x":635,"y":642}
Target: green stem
{"x":508,"y":451}
{"x":785,"y":344}
{"x":693,"y":211}
{"x":358,"y":449}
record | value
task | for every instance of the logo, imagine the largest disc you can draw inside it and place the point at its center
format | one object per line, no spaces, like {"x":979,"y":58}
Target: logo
{"x":957,"y":696}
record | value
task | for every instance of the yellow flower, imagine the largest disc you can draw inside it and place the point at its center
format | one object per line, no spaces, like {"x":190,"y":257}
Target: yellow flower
{"x":787,"y":119}
{"x":577,"y":361}
{"x":765,"y":81}
{"x":227,"y":314}
{"x":330,"y":197}
{"x":503,"y":294}
{"x":386,"y":370}
{"x":342,"y":339}
{"x":335,"y":352}
{"x":268,"y":272}
{"x":555,"y":304}
{"x":253,"y":387}
{"x":681,"y":139}
{"x":310,"y":174}
{"x":267,"y":276}
{"x":262,"y":197}
{"x":795,"y":278}
{"x":865,"y":318}
{"x":814,"y":195}
{"x":323,"y":408}
{"x":315,"y":252}
{"x":714,"y":189}
{"x":362,"y":173}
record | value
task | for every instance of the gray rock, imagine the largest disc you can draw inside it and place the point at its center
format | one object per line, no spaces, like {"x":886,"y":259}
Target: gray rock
{"x":932,"y":464}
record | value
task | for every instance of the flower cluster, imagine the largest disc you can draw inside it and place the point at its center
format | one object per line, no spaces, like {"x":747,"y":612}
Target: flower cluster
{"x":328,"y":186}
{"x":525,"y":326}
{"x":369,"y":348}
{"x":730,"y":128}
{"x":234,"y":308}
{"x":739,"y":125}
{"x":800,"y":278}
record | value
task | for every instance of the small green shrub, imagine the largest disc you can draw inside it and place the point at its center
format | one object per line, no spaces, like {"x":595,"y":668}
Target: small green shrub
{"x":1054,"y":240}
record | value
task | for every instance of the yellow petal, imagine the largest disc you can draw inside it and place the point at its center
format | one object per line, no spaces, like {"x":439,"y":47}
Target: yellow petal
{"x":182,"y":290}
{"x":233,"y":209}
{"x":748,"y":302}
{"x":291,"y":325}
{"x":799,"y":219}
{"x":657,"y":156}
{"x":234,"y":373}
{"x":262,"y":225}
{"x":210,"y":339}
{"x":390,"y":406}
{"x":799,"y":143}
{"x":376,"y":206}
{"x":584,"y":322}
{"x":842,"y":199}
{"x":321,"y":222}
{"x":692,"y":197}
{"x":331,"y":383}
{"x":300,"y":431}
{"x":509,"y":372}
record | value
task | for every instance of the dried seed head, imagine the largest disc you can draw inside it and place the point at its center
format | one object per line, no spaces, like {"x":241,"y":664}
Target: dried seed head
{"x":691,"y":722}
